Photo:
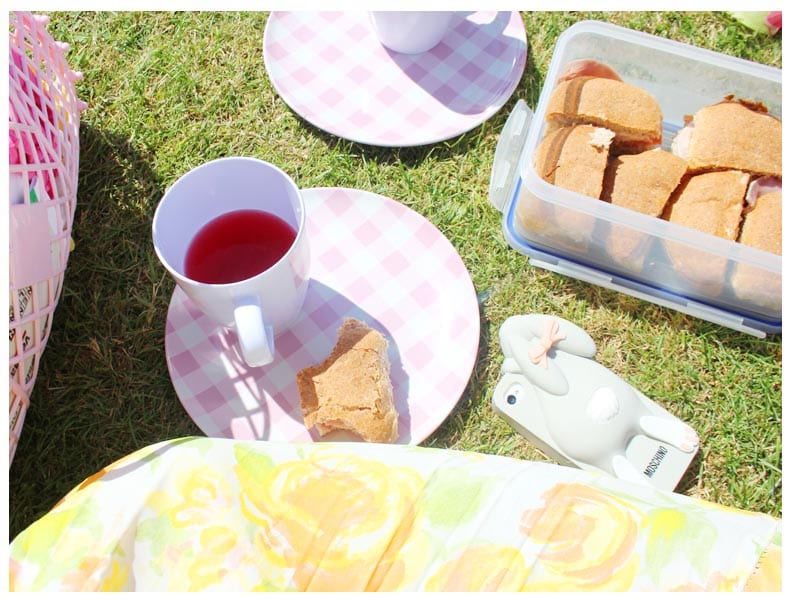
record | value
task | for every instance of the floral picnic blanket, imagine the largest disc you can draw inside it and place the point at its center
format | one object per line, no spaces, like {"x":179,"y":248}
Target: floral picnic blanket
{"x":217,"y":514}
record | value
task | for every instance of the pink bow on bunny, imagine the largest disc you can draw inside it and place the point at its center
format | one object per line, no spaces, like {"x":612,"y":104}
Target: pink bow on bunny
{"x":550,"y":336}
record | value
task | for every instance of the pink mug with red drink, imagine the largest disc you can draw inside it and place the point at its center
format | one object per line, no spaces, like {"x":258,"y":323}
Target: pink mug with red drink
{"x":231,"y":232}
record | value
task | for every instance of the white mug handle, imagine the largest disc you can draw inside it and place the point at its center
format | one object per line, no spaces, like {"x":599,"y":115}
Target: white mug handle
{"x":256,"y":338}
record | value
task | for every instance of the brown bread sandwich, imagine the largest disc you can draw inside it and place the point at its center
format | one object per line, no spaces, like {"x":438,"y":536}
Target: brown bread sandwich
{"x":632,"y":113}
{"x":762,"y":217}
{"x":711,"y":203}
{"x":732,"y":134}
{"x":642,"y":182}
{"x":573,"y":158}
{"x":762,"y":229}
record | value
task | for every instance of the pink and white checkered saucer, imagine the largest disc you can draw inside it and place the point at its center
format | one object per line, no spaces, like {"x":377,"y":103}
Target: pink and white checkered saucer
{"x":331,"y":69}
{"x":373,"y":259}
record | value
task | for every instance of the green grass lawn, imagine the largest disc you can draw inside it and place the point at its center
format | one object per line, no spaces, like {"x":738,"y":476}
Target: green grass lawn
{"x":167,"y":92}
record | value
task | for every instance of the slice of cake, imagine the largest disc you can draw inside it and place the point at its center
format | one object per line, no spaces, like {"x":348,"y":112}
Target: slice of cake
{"x":351,"y":390}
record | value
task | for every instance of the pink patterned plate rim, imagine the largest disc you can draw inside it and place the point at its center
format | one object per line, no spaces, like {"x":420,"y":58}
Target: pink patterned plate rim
{"x":374,"y":259}
{"x":330,"y":68}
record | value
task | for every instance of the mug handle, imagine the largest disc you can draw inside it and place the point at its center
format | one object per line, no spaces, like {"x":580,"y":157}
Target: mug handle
{"x":255,"y":337}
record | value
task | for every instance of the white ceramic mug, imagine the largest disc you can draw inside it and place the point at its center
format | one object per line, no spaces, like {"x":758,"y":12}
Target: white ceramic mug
{"x":410,"y":32}
{"x":262,"y":306}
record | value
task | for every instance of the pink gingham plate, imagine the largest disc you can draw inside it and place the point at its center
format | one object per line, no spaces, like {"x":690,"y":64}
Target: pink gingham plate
{"x":373,"y":259}
{"x":330,"y":68}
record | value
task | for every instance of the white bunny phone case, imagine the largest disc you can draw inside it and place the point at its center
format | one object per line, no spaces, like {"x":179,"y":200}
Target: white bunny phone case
{"x":578,"y":412}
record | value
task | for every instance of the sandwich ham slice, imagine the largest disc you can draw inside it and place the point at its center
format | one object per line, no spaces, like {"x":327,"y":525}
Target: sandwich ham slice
{"x":732,"y":134}
{"x":587,"y":67}
{"x":632,"y":113}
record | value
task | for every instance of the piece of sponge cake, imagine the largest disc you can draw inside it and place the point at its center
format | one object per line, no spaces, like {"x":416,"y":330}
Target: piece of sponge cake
{"x":351,"y":389}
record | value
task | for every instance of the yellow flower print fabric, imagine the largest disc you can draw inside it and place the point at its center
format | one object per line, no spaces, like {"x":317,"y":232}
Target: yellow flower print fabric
{"x":202,"y":514}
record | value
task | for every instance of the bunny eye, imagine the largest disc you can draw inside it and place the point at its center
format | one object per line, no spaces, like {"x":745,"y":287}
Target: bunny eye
{"x":513,"y":394}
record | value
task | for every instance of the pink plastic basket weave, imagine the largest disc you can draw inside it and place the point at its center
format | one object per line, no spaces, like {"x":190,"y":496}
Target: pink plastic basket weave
{"x":43,"y":131}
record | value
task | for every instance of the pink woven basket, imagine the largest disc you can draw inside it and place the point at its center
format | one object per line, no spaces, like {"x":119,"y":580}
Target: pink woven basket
{"x":43,"y":131}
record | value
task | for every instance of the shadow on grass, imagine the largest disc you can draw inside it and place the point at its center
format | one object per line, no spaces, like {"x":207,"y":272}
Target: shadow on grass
{"x":693,"y":474}
{"x":102,"y":390}
{"x":411,"y":156}
{"x":648,"y":313}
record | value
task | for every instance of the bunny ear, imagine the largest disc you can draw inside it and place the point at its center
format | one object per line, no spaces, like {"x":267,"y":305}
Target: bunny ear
{"x":509,"y":365}
{"x":548,"y":378}
{"x":577,"y":341}
{"x":517,"y":326}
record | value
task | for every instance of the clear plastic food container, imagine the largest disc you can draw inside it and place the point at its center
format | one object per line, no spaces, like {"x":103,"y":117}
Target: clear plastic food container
{"x":712,"y":278}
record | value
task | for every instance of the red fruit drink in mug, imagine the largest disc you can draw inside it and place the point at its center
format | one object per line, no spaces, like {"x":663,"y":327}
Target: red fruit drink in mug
{"x":237,"y":245}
